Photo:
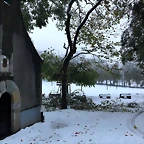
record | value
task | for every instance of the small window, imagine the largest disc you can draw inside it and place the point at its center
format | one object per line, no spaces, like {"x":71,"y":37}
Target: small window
{"x":4,"y":62}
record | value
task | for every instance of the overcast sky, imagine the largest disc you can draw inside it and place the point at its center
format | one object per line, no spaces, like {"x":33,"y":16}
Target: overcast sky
{"x":50,"y":37}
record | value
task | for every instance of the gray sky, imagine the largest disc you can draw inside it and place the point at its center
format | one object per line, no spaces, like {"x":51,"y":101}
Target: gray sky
{"x":50,"y":37}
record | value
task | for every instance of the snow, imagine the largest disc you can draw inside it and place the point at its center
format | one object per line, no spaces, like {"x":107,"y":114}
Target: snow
{"x":93,"y":92}
{"x":83,"y":127}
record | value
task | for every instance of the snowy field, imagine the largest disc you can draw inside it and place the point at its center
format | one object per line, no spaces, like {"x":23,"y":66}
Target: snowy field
{"x":82,"y":127}
{"x":93,"y":92}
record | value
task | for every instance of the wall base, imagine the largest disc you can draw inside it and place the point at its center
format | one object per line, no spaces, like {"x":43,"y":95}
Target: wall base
{"x":30,"y":116}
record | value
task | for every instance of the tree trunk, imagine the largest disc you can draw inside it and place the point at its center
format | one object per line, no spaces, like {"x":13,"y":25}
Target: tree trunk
{"x":67,"y":88}
{"x":64,"y":90}
{"x":81,"y":87}
{"x":129,"y":83}
{"x":64,"y":80}
{"x":113,"y":82}
{"x":124,"y":83}
{"x":106,"y":82}
{"x":110,"y":83}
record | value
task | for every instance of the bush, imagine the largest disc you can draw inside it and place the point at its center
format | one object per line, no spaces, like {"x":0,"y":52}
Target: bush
{"x":81,"y":105}
{"x":51,"y":103}
{"x":76,"y":100}
{"x":133,"y":105}
{"x":112,"y":106}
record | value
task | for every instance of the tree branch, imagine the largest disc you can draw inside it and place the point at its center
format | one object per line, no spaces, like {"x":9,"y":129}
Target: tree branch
{"x":79,"y":11}
{"x":67,"y":23}
{"x":94,"y":55}
{"x":55,"y":3}
{"x":83,"y":22}
{"x":79,"y":54}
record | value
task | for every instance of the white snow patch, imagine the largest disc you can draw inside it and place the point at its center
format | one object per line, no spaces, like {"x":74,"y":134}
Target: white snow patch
{"x":80,"y":127}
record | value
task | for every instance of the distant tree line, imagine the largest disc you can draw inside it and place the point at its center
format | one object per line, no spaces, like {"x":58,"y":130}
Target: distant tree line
{"x":128,"y":75}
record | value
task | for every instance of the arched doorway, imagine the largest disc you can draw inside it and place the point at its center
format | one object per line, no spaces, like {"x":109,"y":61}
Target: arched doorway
{"x":5,"y":115}
{"x":10,"y":107}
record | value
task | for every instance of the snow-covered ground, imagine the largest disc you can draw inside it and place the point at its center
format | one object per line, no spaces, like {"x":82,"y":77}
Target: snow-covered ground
{"x":93,"y":92}
{"x":82,"y":127}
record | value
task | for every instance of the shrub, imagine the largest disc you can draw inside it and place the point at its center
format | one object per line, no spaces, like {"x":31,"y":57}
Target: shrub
{"x":133,"y":105}
{"x":112,"y":106}
{"x":76,"y":100}
{"x":117,"y":106}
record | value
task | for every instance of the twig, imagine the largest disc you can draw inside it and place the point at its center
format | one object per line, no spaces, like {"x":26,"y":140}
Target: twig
{"x":67,"y":49}
{"x":55,"y":2}
{"x":79,"y":11}
{"x":88,"y":2}
{"x":84,"y":21}
{"x":94,"y":55}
